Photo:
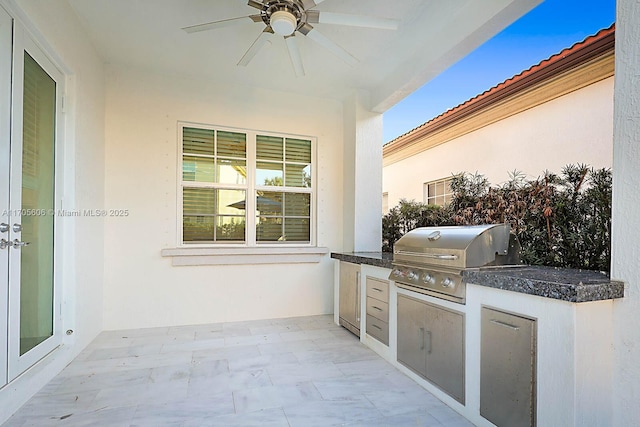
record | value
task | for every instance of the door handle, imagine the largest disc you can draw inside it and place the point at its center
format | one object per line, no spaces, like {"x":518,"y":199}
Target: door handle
{"x":18,"y":244}
{"x":428,"y":333}
{"x":4,"y":243}
{"x":506,"y":325}
{"x":422,"y":337}
{"x":4,"y":227}
{"x":357,"y":296}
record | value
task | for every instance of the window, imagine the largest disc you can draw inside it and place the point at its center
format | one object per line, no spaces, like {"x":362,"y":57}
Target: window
{"x":438,"y":192}
{"x":385,"y":203}
{"x":220,"y":167}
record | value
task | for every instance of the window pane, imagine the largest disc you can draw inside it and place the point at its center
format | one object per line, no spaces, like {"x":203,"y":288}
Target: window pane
{"x":197,"y":141}
{"x":38,"y":176}
{"x":297,"y":204}
{"x":296,"y":230}
{"x":269,"y":148}
{"x":197,"y":169}
{"x":198,"y":228}
{"x":439,"y":188}
{"x":232,"y":144}
{"x":231,"y":171}
{"x":298,"y":176}
{"x":269,"y":174}
{"x":230,"y":228}
{"x":213,"y":214}
{"x":231,"y":202}
{"x":268,"y":229}
{"x":431,"y":190}
{"x":298,"y":150}
{"x":198,"y":201}
{"x":269,"y":203}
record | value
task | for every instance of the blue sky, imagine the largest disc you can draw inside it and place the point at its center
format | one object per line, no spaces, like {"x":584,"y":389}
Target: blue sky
{"x":544,"y":31}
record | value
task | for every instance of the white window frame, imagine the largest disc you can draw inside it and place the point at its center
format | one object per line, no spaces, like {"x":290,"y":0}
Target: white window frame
{"x":250,"y":188}
{"x":446,"y":194}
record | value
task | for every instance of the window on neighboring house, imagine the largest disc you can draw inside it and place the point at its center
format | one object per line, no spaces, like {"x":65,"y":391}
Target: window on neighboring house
{"x":385,"y":203}
{"x":438,"y":192}
{"x":220,"y":167}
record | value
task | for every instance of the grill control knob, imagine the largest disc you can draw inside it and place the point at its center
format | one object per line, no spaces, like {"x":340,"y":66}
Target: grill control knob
{"x":412,"y":276}
{"x":429,"y":279}
{"x":447,"y":283}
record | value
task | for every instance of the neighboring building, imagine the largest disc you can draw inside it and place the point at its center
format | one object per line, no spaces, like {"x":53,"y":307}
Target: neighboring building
{"x":558,"y":112}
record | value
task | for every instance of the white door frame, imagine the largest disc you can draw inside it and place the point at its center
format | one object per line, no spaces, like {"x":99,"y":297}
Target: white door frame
{"x":6,"y":45}
{"x":23,"y":42}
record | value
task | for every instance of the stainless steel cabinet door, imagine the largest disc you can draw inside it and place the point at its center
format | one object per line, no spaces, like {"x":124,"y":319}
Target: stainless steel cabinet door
{"x":411,"y":334}
{"x":350,"y":295}
{"x":445,"y":350}
{"x":507,"y":369}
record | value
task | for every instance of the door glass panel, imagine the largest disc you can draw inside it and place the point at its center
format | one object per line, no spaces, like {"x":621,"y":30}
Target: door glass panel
{"x":36,"y":265}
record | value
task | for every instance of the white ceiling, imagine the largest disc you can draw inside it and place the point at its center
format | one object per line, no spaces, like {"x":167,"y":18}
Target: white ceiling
{"x":432,"y":35}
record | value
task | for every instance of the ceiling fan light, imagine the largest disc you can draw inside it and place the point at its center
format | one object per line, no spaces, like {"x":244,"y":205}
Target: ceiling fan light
{"x":283,"y":22}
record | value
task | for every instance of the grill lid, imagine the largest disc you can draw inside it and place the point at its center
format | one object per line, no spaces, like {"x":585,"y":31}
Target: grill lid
{"x":457,"y":247}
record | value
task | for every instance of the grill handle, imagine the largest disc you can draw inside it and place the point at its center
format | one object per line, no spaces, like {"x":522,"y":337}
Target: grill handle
{"x":430,"y":256}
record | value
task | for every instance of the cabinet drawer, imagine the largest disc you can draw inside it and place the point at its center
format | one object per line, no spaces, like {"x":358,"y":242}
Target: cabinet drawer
{"x":378,"y":329}
{"x":378,"y":289}
{"x":378,"y":309}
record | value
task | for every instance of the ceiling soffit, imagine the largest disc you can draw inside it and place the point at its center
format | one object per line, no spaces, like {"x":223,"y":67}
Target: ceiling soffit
{"x":147,"y":34}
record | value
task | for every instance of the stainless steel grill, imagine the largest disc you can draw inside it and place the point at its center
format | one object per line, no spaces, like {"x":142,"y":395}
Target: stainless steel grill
{"x":431,"y":260}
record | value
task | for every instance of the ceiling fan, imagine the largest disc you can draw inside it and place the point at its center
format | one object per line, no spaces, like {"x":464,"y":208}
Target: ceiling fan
{"x":288,"y":18}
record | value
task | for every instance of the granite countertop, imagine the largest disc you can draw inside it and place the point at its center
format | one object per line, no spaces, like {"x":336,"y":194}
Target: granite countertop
{"x":377,"y":259}
{"x":548,"y":282}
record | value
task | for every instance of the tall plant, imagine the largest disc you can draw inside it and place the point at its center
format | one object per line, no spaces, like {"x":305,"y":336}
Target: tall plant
{"x":561,"y":220}
{"x":408,"y":215}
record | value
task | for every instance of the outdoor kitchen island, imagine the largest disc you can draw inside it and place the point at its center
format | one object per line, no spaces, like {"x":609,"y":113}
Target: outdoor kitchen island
{"x":533,"y":336}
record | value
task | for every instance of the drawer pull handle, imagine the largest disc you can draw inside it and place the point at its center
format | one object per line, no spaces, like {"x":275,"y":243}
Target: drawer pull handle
{"x":506,"y":325}
{"x":377,"y":308}
{"x":376,"y":326}
{"x":376,"y":289}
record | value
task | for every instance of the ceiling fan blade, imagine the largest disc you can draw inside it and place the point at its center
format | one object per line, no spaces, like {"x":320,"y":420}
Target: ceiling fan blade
{"x":314,"y":16}
{"x":224,"y":23}
{"x":322,"y":40}
{"x":262,"y":40}
{"x":256,"y":4}
{"x":294,"y":54}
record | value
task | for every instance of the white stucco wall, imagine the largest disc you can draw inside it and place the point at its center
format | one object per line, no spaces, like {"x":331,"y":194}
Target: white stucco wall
{"x":143,"y":289}
{"x":575,"y":128}
{"x":362,"y":176}
{"x":626,"y":221}
{"x":55,"y":25}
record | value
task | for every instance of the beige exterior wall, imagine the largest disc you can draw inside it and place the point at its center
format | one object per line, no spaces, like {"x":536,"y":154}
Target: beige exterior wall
{"x":574,"y":128}
{"x":144,"y":289}
{"x":625,"y":234}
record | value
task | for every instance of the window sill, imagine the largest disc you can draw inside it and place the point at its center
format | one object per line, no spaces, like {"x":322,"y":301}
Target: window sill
{"x":244,"y":256}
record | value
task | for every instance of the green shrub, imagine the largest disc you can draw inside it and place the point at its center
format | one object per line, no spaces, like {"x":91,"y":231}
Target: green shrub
{"x":561,"y":220}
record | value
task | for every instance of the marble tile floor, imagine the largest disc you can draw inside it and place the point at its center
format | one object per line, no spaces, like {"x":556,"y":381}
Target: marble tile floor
{"x":296,"y":372}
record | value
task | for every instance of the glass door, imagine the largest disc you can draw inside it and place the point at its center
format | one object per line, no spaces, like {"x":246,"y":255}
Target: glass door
{"x":33,"y":301}
{"x":6,"y":24}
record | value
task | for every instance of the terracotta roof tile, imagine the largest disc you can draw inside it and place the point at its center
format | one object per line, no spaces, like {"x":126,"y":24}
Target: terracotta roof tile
{"x":574,"y":55}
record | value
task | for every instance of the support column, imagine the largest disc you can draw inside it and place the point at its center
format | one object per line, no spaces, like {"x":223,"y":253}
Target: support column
{"x":625,"y":236}
{"x":362,"y":196}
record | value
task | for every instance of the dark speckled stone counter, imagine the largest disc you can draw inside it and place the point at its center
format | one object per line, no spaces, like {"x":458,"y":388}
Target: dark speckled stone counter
{"x":377,"y":259}
{"x":548,"y":282}
{"x":557,"y":283}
